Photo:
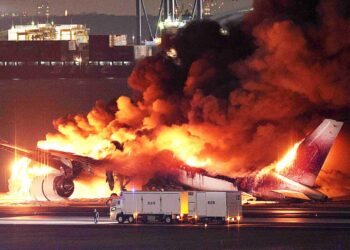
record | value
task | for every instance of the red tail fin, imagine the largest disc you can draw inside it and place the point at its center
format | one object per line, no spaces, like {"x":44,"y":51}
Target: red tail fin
{"x":312,"y":153}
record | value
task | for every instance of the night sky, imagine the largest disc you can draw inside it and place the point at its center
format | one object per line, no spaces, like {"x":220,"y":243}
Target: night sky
{"x":117,"y":7}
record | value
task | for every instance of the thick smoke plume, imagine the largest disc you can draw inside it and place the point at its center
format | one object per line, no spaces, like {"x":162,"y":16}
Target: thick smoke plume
{"x":233,"y":100}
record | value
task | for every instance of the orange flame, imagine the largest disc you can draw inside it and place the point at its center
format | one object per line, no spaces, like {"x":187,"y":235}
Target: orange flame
{"x":285,"y":162}
{"x":23,"y":171}
{"x":94,"y":147}
{"x":183,"y":145}
{"x":95,"y":188}
{"x":288,"y":158}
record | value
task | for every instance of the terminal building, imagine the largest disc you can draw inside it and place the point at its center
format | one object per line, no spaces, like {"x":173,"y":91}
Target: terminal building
{"x":49,"y":32}
{"x":44,"y":50}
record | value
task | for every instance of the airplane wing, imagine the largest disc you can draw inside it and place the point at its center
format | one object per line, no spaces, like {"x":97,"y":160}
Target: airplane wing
{"x":292,"y":194}
{"x":15,"y":149}
{"x":70,"y":164}
{"x":52,"y":158}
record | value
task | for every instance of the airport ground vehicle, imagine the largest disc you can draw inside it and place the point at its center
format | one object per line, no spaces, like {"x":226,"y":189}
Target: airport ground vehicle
{"x":147,"y":207}
{"x":219,"y":207}
{"x":174,"y":207}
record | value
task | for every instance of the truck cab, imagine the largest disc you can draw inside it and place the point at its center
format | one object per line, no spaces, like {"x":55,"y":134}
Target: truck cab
{"x":115,"y":208}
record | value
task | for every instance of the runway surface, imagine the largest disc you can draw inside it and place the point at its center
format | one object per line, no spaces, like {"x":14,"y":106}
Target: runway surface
{"x":272,"y":215}
{"x":282,"y":226}
{"x":246,"y":222}
{"x":81,"y":233}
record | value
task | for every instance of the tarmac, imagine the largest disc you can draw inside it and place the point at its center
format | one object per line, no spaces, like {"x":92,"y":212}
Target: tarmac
{"x":274,"y":226}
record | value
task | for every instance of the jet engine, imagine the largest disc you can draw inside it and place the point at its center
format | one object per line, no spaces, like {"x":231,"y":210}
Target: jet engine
{"x":51,"y":187}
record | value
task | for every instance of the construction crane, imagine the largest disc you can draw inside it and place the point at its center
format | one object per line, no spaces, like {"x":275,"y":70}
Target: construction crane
{"x":169,"y":17}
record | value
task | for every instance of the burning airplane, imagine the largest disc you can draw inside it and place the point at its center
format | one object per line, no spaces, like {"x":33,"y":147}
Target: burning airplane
{"x":218,"y":112}
{"x":292,"y":177}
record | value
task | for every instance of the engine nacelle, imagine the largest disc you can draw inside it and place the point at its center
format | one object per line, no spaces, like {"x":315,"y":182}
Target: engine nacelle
{"x":51,"y":188}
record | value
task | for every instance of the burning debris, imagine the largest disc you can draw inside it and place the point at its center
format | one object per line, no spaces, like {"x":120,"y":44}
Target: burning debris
{"x":227,"y":103}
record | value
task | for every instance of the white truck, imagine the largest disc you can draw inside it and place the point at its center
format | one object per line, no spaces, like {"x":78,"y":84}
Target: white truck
{"x":147,"y":207}
{"x":212,"y":206}
{"x":169,"y":207}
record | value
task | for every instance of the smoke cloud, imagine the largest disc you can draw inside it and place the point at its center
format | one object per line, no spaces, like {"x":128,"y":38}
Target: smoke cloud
{"x":233,"y":100}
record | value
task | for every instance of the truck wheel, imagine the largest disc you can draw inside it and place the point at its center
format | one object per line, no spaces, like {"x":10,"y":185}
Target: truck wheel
{"x":168,"y":220}
{"x":120,"y":219}
{"x":223,"y":221}
{"x":131,"y":219}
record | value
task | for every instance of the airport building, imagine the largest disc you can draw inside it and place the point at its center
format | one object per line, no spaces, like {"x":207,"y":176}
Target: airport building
{"x":45,"y":50}
{"x":49,"y":32}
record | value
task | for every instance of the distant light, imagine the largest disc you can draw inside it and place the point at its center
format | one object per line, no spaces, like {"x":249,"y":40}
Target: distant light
{"x":172,"y":53}
{"x":158,"y":40}
{"x":133,"y":190}
{"x":66,"y":13}
{"x":224,"y":31}
{"x":78,"y":59}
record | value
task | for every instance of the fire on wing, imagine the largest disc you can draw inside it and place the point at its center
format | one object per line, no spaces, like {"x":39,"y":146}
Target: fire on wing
{"x":32,"y":180}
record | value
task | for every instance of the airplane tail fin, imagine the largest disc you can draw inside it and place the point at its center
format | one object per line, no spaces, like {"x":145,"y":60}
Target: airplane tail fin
{"x":312,"y":153}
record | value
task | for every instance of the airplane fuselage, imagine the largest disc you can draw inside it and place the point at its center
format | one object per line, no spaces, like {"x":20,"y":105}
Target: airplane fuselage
{"x":274,"y":186}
